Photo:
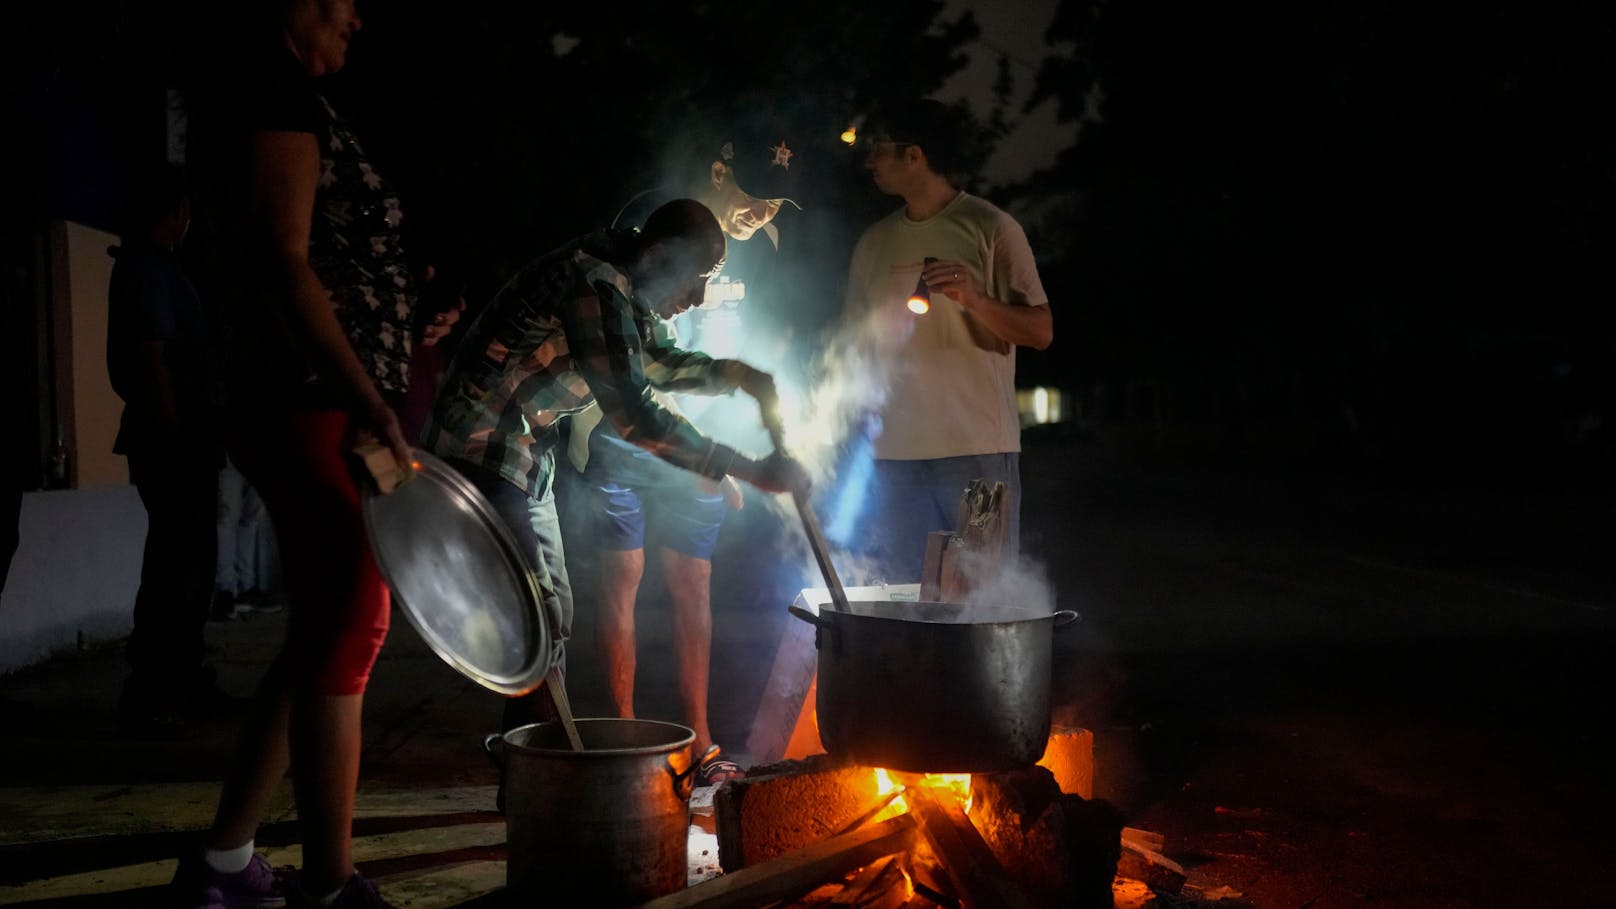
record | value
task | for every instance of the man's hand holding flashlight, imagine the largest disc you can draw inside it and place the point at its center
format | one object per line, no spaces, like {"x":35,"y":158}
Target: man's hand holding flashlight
{"x":953,"y":279}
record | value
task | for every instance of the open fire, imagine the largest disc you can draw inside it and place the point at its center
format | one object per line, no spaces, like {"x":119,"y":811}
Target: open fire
{"x":821,"y":831}
{"x":895,"y":782}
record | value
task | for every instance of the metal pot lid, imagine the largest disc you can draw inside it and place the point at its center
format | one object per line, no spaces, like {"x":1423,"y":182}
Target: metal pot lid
{"x":458,"y":574}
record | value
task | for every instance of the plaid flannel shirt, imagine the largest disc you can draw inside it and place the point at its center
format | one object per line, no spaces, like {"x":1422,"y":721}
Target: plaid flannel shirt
{"x":564,"y":333}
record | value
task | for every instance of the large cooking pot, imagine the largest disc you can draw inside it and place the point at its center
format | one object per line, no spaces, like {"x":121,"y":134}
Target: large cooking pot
{"x":935,"y":687}
{"x":612,"y":819}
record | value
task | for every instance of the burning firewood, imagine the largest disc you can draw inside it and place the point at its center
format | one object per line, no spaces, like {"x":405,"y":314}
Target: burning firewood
{"x":1142,"y":860}
{"x":975,"y":872}
{"x":882,"y":885}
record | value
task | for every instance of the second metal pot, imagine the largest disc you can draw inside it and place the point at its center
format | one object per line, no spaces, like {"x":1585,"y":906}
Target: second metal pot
{"x":613,"y":818}
{"x":935,"y":687}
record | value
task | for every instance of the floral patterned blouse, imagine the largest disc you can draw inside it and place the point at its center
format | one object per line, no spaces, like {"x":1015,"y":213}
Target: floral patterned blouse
{"x":354,"y":248}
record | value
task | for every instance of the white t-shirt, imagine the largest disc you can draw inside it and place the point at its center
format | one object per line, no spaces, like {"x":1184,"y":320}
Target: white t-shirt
{"x":952,"y":381}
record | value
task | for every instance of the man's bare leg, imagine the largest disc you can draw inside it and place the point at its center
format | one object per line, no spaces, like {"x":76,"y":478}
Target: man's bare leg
{"x":689,"y":582}
{"x":620,"y":572}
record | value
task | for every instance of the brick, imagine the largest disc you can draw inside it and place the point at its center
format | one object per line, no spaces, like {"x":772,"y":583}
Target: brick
{"x":1070,"y":757}
{"x":1020,"y":817}
{"x":781,"y":807}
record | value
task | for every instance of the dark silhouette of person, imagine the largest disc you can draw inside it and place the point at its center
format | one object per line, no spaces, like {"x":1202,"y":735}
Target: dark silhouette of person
{"x":158,"y":357}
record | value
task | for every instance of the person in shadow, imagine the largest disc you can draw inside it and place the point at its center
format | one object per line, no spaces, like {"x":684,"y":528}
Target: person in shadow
{"x":321,"y":328}
{"x":158,"y":359}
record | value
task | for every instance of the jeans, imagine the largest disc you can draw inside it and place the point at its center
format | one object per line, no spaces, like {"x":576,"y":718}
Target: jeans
{"x":537,"y":529}
{"x":910,"y":499}
{"x":246,"y":541}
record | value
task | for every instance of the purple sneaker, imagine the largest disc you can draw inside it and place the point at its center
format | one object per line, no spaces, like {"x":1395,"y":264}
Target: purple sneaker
{"x":358,"y":893}
{"x":197,"y":886}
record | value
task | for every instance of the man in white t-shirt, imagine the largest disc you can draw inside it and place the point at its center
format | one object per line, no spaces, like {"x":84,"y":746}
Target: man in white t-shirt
{"x":950,"y":411}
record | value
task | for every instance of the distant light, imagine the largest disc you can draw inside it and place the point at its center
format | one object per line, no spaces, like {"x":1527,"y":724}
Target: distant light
{"x":562,"y":44}
{"x":1040,"y":405}
{"x":919,"y":305}
{"x":850,"y":135}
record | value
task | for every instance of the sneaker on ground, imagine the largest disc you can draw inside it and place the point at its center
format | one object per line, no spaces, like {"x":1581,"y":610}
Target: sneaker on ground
{"x":198,"y":886}
{"x":358,"y":893}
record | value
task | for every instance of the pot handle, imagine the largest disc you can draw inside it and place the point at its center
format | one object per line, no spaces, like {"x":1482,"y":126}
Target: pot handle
{"x":683,"y":780}
{"x":1065,"y":617}
{"x":494,"y":746}
{"x":808,"y":617}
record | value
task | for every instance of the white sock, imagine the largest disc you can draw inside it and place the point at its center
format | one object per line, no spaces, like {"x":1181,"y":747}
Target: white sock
{"x":229,"y":861}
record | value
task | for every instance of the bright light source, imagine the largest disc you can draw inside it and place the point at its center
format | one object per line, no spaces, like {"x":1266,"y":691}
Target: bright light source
{"x":920,"y":300}
{"x":850,"y":135}
{"x":1040,"y":405}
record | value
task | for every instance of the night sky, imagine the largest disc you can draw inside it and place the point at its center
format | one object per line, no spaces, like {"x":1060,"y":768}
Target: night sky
{"x":1370,"y":231}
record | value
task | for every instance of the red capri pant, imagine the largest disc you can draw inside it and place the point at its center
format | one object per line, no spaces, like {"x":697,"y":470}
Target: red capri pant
{"x":338,"y":605}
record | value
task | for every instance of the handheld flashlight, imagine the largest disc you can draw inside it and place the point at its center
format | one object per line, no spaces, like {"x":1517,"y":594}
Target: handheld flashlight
{"x":920,"y":300}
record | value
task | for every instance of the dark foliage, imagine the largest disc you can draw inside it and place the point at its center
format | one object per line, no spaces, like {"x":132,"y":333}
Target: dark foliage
{"x":1364,"y":230}
{"x":1370,"y":227}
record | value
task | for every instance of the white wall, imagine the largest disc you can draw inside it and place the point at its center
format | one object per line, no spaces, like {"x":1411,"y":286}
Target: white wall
{"x":77,"y":567}
{"x":75,"y":573}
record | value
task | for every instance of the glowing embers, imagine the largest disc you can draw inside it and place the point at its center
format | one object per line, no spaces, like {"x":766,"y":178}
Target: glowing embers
{"x":887,"y":782}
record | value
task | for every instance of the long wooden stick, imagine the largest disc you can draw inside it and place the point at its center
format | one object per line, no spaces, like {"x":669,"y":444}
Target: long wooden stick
{"x":810,"y":523}
{"x":558,"y":697}
{"x":760,"y":884}
{"x":972,"y":867}
{"x":816,"y":541}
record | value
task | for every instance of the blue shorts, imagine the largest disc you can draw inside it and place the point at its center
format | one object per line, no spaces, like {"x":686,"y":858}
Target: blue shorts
{"x":631,"y":488}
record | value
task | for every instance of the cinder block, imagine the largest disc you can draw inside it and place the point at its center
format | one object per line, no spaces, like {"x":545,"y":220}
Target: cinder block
{"x":1070,"y":757}
{"x":1020,"y":817}
{"x":1060,"y":849}
{"x":779,"y":808}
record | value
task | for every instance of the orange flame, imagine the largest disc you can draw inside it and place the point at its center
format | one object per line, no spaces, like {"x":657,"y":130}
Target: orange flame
{"x":958,"y":784}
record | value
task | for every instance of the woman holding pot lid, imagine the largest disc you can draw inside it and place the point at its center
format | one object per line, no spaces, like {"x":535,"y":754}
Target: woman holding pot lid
{"x":321,"y":323}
